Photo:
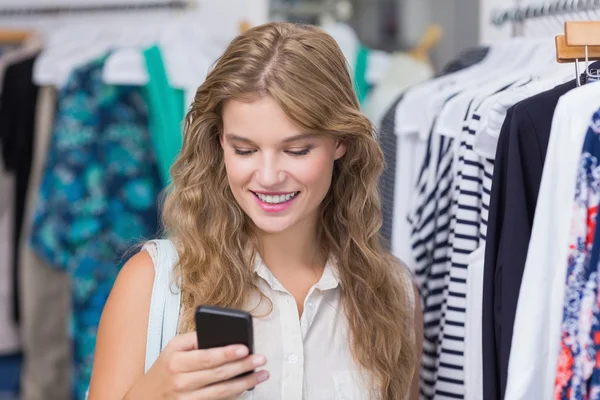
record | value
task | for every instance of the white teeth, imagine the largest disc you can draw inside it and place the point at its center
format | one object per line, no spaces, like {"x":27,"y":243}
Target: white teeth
{"x":276,"y":199}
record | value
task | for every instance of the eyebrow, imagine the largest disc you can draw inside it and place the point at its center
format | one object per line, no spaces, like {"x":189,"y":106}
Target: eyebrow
{"x":235,"y":138}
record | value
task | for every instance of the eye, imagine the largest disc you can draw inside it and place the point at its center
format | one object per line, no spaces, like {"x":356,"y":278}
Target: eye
{"x":298,"y":153}
{"x":241,"y":152}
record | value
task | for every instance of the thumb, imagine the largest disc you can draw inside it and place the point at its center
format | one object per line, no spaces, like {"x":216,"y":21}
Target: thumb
{"x":184,"y":342}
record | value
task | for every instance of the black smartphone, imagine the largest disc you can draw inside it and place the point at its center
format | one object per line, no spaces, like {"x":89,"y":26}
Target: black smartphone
{"x":219,"y":327}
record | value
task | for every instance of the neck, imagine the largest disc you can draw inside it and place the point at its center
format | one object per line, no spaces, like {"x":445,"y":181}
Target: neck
{"x":298,"y":247}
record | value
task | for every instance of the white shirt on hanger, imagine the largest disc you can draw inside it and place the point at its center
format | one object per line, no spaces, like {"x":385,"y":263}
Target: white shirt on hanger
{"x":459,"y":94}
{"x":450,"y":118}
{"x":409,"y":113}
{"x":410,"y":151}
{"x":536,"y":337}
{"x":402,"y":72}
{"x":486,"y":139}
{"x":473,"y":338}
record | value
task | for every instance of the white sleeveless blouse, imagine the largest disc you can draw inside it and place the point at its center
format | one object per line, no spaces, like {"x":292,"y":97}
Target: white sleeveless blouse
{"x":308,"y":358}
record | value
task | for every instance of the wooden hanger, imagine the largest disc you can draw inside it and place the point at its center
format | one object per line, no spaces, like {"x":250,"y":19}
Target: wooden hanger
{"x":568,"y":54}
{"x":14,"y":36}
{"x":581,"y":42}
{"x":430,"y":38}
{"x":582,"y":33}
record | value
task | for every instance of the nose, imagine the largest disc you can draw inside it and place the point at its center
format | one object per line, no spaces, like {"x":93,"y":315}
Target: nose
{"x":269,"y":173}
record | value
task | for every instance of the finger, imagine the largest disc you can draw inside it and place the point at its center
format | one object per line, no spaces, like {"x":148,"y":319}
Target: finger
{"x":234,"y":387}
{"x":199,"y":379}
{"x":184,"y":342}
{"x":197,"y":360}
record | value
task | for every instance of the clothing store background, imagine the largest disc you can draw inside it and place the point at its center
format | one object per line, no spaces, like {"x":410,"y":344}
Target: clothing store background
{"x":61,"y":106}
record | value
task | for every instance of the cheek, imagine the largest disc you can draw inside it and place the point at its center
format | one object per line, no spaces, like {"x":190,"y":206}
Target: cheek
{"x":318,"y":174}
{"x":237,"y":175}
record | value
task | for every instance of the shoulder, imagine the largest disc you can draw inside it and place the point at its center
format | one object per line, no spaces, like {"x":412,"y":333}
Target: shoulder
{"x":121,"y":339}
{"x":133,"y":286}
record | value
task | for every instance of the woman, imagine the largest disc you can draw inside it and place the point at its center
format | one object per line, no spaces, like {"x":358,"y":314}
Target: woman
{"x":273,"y":209}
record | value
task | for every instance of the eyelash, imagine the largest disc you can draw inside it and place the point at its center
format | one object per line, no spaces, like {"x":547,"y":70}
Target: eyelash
{"x":299,"y":153}
{"x":242,"y":152}
{"x":292,"y":153}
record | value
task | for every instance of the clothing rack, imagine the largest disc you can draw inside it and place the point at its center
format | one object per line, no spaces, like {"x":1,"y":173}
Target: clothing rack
{"x":340,"y":10}
{"x":115,"y":7}
{"x":518,"y":15}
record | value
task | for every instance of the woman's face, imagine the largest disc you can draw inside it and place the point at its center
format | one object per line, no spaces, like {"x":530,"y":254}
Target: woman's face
{"x":278,"y":174}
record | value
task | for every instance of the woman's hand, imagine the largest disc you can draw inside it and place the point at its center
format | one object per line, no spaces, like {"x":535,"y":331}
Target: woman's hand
{"x":182,"y":372}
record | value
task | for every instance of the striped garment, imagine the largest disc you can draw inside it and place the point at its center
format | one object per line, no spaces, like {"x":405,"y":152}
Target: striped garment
{"x":468,"y":226}
{"x":449,"y":222}
{"x":430,"y":227}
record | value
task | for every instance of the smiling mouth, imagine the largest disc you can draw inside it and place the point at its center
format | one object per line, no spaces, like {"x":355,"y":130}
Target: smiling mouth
{"x":276,"y":199}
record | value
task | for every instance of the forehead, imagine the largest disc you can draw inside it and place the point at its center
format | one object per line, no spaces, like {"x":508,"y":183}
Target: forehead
{"x":260,"y":119}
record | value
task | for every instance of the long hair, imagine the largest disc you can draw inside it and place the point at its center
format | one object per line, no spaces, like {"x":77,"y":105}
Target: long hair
{"x":303,"y":69}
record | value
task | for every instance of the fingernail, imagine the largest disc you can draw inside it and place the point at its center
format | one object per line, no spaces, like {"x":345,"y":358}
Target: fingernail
{"x":242,"y":351}
{"x":262,"y":376}
{"x":259,"y":360}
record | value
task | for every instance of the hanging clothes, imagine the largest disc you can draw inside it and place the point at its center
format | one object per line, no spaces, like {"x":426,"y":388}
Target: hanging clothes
{"x":577,"y":357}
{"x":97,"y":198}
{"x":430,"y":221}
{"x":361,"y":86}
{"x":10,"y":342}
{"x":402,"y":72}
{"x":465,"y":59}
{"x":30,"y":47}
{"x":166,"y":113}
{"x":16,"y":122}
{"x":443,"y":237}
{"x":45,"y":291}
{"x":388,"y":143}
{"x":17,"y":115}
{"x":520,"y":150}
{"x":536,"y":334}
{"x":520,"y":157}
{"x":398,"y":179}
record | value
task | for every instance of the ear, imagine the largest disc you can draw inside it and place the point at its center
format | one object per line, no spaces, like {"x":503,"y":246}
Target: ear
{"x":222,"y":141}
{"x":340,"y":149}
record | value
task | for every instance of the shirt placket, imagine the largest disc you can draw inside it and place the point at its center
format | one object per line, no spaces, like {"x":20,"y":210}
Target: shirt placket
{"x":311,"y":305}
{"x":293,"y":346}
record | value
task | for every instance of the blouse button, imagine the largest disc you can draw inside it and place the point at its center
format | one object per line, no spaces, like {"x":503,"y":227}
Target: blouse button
{"x":293,"y":359}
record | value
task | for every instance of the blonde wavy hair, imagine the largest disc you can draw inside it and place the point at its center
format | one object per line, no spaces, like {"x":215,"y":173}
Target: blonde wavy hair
{"x":304,"y":70}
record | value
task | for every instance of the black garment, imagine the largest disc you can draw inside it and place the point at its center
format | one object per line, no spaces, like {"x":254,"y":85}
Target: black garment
{"x":17,"y":119}
{"x":465,"y":59}
{"x":519,"y":162}
{"x":387,"y":181}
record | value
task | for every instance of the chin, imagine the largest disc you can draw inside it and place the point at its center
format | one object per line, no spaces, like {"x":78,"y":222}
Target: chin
{"x":271,"y":226}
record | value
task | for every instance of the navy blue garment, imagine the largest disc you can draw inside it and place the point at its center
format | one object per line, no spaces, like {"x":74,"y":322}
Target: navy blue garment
{"x":98,"y":196}
{"x":519,"y":162}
